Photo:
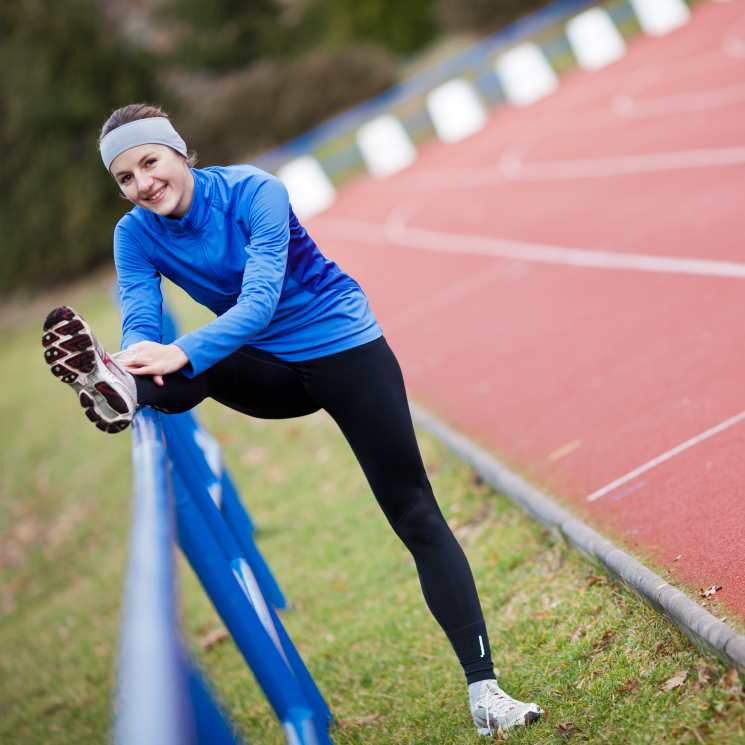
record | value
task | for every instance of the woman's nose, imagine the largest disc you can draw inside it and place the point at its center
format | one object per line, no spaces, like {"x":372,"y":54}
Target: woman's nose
{"x":144,"y":182}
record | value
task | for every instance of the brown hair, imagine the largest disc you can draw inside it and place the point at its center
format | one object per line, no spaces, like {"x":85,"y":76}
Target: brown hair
{"x":131,"y":113}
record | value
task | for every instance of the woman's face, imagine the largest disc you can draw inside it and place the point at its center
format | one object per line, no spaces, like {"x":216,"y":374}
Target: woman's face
{"x":156,"y":178}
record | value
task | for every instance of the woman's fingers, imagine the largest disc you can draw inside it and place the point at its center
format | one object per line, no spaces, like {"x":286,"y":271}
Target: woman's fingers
{"x":150,"y":358}
{"x":133,"y":360}
{"x":149,"y":369}
{"x":144,"y":363}
{"x":157,"y":377}
{"x":135,"y":366}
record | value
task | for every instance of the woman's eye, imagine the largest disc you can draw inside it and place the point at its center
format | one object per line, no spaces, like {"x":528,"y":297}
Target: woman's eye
{"x":150,"y":161}
{"x":124,"y":179}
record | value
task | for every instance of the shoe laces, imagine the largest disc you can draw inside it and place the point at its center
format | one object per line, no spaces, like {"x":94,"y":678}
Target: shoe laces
{"x":494,"y":701}
{"x":112,"y":365}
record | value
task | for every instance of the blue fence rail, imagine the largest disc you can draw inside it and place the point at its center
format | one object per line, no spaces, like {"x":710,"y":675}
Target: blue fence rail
{"x":179,"y":482}
{"x":161,"y":697}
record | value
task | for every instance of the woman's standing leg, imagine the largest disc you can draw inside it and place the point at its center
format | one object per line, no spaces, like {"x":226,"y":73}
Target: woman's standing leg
{"x":363,"y":390}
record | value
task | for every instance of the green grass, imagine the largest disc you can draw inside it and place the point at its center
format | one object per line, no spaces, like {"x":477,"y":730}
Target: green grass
{"x":562,"y":634}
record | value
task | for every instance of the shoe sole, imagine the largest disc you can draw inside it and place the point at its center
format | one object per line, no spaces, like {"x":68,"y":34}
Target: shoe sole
{"x":528,"y":718}
{"x":75,"y":358}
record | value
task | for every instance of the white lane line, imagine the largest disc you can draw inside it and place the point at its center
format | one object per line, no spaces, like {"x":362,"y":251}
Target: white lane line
{"x":548,"y":254}
{"x":396,"y":232}
{"x":678,"y":103}
{"x":666,"y":456}
{"x":513,"y":167}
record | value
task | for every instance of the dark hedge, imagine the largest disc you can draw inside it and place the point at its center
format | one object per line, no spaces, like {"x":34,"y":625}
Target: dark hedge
{"x":64,"y":71}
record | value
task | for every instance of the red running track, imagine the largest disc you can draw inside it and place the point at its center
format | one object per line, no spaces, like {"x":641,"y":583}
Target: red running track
{"x":567,"y":287}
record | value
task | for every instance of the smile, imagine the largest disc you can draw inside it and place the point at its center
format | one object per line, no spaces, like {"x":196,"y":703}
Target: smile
{"x":158,"y":196}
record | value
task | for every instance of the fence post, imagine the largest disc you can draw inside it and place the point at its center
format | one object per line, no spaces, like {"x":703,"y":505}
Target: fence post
{"x":208,"y":559}
{"x":232,"y":526}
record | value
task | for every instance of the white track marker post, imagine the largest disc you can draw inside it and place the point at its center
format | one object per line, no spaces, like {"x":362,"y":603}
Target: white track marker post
{"x":385,"y":146}
{"x":525,"y":74}
{"x":456,"y":110}
{"x":309,"y":187}
{"x":594,"y":39}
{"x":659,"y":17}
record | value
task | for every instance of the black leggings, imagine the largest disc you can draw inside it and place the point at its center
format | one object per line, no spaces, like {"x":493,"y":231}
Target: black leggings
{"x":363,"y":390}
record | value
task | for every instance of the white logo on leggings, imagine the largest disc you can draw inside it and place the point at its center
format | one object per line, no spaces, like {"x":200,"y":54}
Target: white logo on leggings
{"x":481,"y":644}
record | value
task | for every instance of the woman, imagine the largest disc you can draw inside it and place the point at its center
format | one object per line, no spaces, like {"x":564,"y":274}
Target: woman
{"x":293,"y":334}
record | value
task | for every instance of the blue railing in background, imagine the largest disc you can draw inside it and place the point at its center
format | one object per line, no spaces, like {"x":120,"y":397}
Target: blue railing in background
{"x":162,"y":697}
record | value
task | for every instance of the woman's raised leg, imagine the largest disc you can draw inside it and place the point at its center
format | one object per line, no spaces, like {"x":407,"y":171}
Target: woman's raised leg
{"x":250,"y":380}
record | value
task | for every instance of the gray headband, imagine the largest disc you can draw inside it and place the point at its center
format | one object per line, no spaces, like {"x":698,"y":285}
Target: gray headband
{"x":153,"y":130}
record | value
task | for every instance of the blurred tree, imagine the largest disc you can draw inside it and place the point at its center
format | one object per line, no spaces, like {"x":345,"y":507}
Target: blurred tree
{"x":273,"y":100}
{"x":64,"y":71}
{"x":399,"y":27}
{"x":226,"y":35}
{"x":222,"y":35}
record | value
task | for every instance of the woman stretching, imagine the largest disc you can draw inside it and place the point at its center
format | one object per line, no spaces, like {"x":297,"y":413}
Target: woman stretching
{"x":293,"y":334}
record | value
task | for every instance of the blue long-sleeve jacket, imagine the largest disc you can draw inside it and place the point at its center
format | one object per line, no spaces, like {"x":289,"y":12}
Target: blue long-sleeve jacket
{"x":241,"y":251}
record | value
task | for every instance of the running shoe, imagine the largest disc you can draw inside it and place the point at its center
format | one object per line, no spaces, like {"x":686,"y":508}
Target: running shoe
{"x":106,"y":392}
{"x":494,"y":711}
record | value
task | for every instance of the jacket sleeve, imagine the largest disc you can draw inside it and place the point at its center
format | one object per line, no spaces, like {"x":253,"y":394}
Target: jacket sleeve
{"x":263,"y":279}
{"x":140,"y":297}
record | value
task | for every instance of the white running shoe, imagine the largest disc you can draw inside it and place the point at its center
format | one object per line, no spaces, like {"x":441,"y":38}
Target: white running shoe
{"x":105,"y":390}
{"x":494,"y":711}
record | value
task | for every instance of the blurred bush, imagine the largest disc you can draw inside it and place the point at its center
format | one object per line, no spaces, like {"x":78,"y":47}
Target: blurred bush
{"x":225,"y":35}
{"x":64,"y":71}
{"x":220,"y":35}
{"x":401,"y":27}
{"x":272,"y":101}
{"x":482,"y":15}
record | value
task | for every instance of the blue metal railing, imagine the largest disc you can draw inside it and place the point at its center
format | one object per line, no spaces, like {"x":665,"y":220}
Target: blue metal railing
{"x":162,"y":698}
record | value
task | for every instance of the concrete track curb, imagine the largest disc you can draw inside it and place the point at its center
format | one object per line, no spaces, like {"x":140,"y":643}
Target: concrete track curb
{"x":702,"y":628}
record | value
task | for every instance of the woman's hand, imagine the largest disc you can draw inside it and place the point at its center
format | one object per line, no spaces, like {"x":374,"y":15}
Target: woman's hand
{"x":151,"y":358}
